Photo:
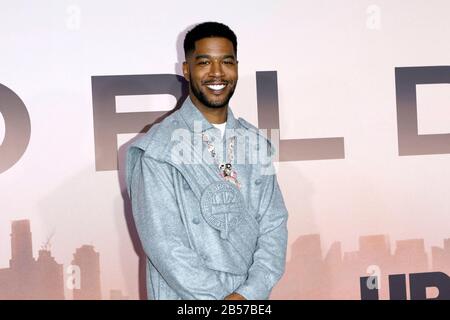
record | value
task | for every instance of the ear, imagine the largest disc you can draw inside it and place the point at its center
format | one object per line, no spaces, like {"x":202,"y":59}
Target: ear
{"x":186,"y":71}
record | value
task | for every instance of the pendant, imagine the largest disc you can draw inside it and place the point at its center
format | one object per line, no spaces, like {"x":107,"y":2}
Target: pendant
{"x":226,"y":169}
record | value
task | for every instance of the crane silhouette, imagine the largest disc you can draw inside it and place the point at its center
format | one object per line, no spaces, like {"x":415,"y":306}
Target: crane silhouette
{"x":47,"y":245}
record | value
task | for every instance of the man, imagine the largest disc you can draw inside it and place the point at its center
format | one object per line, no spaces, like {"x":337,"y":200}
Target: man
{"x":212,"y":222}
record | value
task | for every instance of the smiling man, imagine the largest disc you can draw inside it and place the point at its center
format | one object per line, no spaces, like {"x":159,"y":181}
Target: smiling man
{"x":211,"y":69}
{"x":211,"y":218}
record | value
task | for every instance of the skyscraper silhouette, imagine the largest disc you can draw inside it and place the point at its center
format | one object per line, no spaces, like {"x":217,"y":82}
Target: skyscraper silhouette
{"x":88,"y":260}
{"x":21,"y":246}
{"x":27,"y":278}
{"x":441,"y":258}
{"x":49,"y":277}
{"x":306,"y":276}
{"x":410,"y":256}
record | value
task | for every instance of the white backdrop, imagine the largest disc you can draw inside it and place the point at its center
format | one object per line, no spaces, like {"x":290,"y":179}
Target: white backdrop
{"x":335,"y":62}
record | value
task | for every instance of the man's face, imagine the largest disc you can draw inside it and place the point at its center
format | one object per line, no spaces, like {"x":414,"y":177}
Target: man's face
{"x":212,"y":72}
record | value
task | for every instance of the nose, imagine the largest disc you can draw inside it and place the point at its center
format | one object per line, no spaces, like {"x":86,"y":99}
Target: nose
{"x":216,"y":69}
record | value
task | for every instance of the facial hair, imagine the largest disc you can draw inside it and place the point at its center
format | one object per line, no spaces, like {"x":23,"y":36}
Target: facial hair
{"x":204,"y":100}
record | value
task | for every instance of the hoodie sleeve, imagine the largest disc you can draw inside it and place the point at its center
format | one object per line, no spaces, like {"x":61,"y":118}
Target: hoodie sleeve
{"x":269,"y":258}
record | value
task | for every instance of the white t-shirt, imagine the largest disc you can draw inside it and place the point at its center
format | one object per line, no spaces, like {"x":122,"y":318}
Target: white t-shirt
{"x":220,"y":126}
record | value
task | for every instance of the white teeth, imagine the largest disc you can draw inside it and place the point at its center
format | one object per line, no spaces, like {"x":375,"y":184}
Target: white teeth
{"x":216,"y":86}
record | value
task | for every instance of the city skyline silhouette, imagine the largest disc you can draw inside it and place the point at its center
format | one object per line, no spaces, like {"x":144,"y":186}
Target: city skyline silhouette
{"x":336,"y":275}
{"x":43,"y":278}
{"x":310,"y":274}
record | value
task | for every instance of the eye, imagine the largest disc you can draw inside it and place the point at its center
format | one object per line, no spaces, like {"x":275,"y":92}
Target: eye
{"x":228,"y":62}
{"x":203,"y":62}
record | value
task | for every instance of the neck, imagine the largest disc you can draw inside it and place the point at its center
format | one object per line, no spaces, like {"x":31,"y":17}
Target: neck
{"x":213,"y":115}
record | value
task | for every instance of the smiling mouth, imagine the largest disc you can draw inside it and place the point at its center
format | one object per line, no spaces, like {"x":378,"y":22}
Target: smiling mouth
{"x":216,"y":87}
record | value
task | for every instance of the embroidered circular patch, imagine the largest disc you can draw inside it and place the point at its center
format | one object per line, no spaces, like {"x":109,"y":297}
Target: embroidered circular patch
{"x":222,"y":206}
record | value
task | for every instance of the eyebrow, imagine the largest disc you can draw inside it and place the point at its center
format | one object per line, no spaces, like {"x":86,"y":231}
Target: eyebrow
{"x":207,"y":56}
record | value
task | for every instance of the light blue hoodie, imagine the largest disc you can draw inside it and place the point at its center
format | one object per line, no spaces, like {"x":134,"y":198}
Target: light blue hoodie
{"x":203,"y":236}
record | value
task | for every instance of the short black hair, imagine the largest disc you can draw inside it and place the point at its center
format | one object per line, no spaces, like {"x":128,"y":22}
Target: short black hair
{"x":206,"y":30}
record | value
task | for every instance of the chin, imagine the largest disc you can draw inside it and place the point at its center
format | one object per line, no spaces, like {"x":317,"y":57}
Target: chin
{"x":216,"y":103}
{"x":216,"y":106}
